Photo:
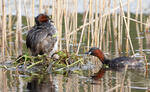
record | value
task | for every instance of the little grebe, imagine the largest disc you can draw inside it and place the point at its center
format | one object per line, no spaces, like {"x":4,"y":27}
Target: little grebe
{"x":42,"y":37}
{"x":114,"y":63}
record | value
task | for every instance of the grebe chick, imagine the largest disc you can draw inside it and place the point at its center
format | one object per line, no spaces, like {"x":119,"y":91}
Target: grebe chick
{"x":118,"y":62}
{"x":42,"y":37}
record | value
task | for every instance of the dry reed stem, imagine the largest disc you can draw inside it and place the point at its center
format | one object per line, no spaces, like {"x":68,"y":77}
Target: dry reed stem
{"x":90,"y":27}
{"x":75,"y":21}
{"x":102,"y":26}
{"x":82,"y":30}
{"x":67,"y":29}
{"x":32,"y":18}
{"x":9,"y":28}
{"x":100,"y":23}
{"x":27,"y":15}
{"x":97,"y":23}
{"x":146,"y":66}
{"x":102,"y":38}
{"x":127,"y":28}
{"x":114,"y":88}
{"x":147,"y":27}
{"x":18,"y":42}
{"x":57,"y":16}
{"x":4,"y":81}
{"x":114,"y":22}
{"x":136,"y":20}
{"x":108,"y":34}
{"x":3,"y":30}
{"x":92,"y":21}
{"x":123,"y":79}
{"x":119,"y":34}
{"x":40,"y":6}
{"x":128,"y":25}
{"x":141,"y":16}
{"x":81,"y":27}
{"x":138,"y":30}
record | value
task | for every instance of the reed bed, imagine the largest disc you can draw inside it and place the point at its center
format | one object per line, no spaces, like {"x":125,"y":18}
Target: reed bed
{"x":99,"y":25}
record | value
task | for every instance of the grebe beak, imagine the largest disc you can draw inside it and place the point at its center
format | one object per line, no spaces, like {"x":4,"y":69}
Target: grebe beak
{"x":88,"y":53}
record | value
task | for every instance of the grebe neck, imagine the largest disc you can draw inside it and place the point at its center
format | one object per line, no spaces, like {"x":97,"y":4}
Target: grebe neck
{"x":102,"y":58}
{"x":106,"y":61}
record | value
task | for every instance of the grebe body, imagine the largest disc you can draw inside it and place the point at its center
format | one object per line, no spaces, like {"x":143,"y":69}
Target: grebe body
{"x":118,"y":62}
{"x":42,"y":38}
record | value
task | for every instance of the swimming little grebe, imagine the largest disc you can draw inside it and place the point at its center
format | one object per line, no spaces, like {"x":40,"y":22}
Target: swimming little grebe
{"x":114,"y":63}
{"x":42,"y":37}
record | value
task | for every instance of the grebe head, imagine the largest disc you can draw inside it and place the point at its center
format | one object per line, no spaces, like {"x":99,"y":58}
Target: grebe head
{"x":94,"y":51}
{"x":42,"y":18}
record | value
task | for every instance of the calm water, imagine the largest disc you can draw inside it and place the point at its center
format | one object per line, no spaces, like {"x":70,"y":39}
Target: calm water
{"x":103,"y":81}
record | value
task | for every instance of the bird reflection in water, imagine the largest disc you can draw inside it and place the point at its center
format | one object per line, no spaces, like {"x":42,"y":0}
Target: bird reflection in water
{"x":99,"y":74}
{"x":46,"y":85}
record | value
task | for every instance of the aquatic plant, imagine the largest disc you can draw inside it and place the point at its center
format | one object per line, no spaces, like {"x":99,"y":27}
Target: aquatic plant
{"x":43,"y":63}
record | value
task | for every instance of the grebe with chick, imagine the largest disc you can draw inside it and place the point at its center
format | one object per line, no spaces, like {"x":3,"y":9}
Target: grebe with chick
{"x":42,"y":38}
{"x":118,"y":62}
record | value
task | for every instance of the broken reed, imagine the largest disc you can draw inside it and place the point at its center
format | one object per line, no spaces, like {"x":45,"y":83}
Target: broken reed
{"x":99,"y":25}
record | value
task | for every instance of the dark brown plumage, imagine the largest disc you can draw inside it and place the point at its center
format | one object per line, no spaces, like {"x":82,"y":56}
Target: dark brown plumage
{"x":42,"y":37}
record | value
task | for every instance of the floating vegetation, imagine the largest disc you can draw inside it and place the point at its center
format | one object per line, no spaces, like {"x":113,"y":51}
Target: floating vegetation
{"x":45,"y":64}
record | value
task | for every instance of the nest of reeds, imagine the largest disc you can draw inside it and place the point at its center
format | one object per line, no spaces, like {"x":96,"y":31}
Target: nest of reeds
{"x":42,"y":63}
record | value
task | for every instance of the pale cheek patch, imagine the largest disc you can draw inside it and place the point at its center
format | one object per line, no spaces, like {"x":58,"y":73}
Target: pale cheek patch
{"x":90,"y":53}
